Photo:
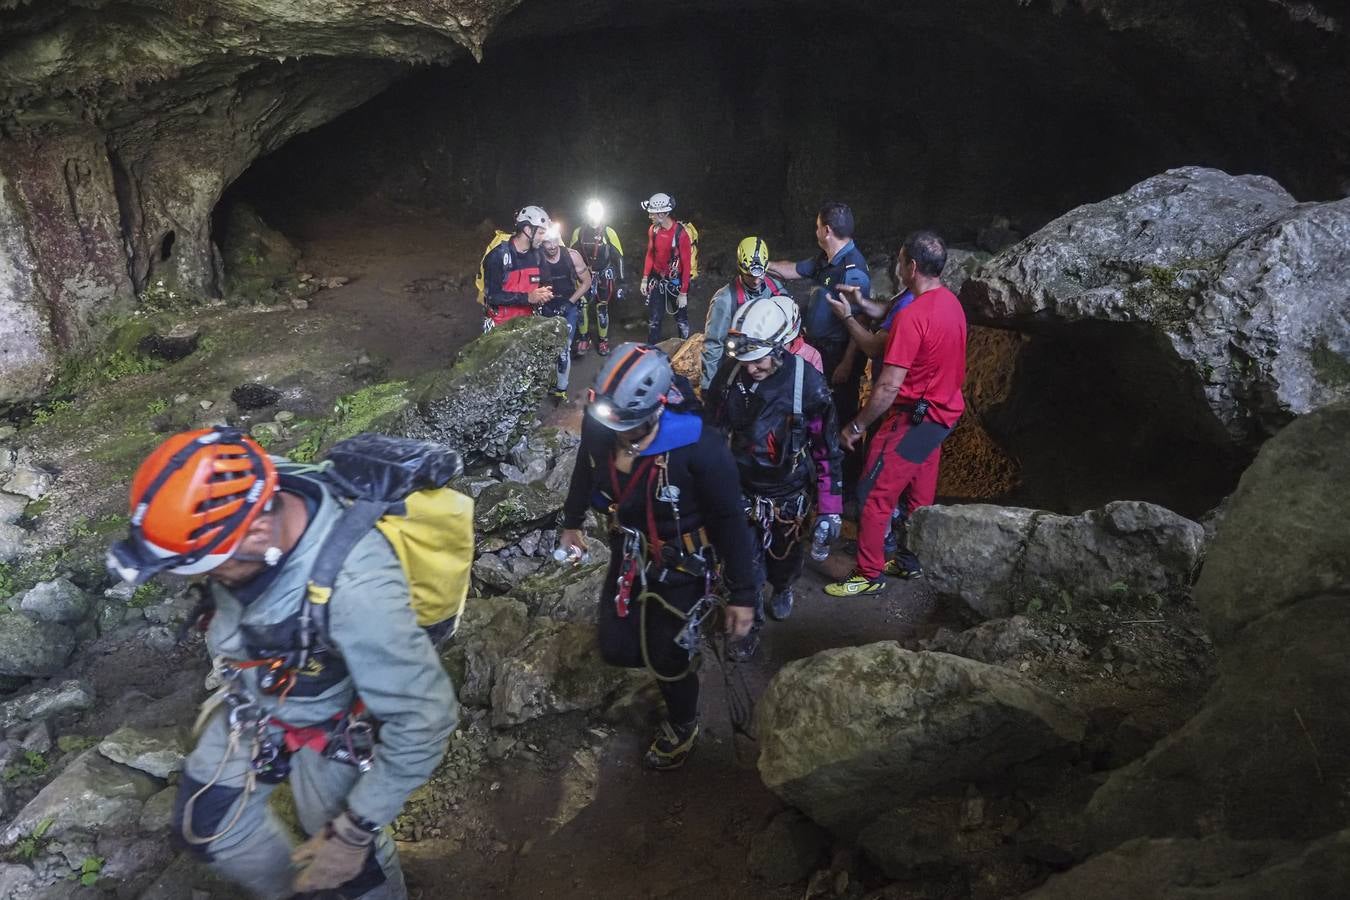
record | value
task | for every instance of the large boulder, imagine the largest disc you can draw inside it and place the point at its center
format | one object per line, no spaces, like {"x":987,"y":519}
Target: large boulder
{"x":30,"y":647}
{"x":1266,"y":756}
{"x":57,"y":601}
{"x":1190,"y":869}
{"x":489,"y":629}
{"x":92,"y":794}
{"x":848,"y":734}
{"x":999,"y":559}
{"x":568,"y":593}
{"x":488,"y":401}
{"x":1245,"y":284}
{"x":556,"y":669}
{"x":1285,"y":534}
{"x":158,"y":752}
{"x":45,"y":702}
{"x":508,"y":510}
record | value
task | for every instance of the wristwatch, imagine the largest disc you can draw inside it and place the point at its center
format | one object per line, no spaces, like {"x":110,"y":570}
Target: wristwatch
{"x":854,"y":427}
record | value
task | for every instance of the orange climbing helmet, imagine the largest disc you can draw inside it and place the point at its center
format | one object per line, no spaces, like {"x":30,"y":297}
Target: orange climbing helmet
{"x":192,"y":500}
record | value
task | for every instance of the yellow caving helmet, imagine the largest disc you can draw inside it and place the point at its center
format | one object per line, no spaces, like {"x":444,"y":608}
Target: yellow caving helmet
{"x":752,"y":256}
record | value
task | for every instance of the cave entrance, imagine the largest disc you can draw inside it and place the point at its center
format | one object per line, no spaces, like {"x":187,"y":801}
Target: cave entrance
{"x":982,"y":124}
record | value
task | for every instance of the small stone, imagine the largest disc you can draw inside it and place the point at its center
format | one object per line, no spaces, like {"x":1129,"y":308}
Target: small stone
{"x":161,"y":638}
{"x":267,"y":431}
{"x":157,"y":814}
{"x":13,"y":542}
{"x":206,"y":404}
{"x":299,"y":303}
{"x":46,"y":702}
{"x":57,"y":601}
{"x":30,"y":647}
{"x":38,"y":739}
{"x":157,"y":752}
{"x":529,"y":543}
{"x":7,"y":431}
{"x":11,"y":508}
{"x":182,"y":398}
{"x":29,"y":480}
{"x":304,"y":276}
{"x":284,"y":416}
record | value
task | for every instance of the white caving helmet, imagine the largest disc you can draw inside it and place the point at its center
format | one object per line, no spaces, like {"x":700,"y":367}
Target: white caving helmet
{"x":658,"y":203}
{"x":761,"y":327}
{"x":532,"y":215}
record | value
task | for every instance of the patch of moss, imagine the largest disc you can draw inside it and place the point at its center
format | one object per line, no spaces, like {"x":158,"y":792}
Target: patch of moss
{"x":1332,"y":368}
{"x":118,"y":358}
{"x":147,"y":594}
{"x":372,"y":408}
{"x":1159,"y":297}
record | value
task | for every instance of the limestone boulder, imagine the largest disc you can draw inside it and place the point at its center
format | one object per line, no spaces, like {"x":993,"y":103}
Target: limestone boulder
{"x":997,"y":560}
{"x":31,"y":648}
{"x":91,"y":794}
{"x":57,"y":601}
{"x":489,"y":629}
{"x":1188,"y":869}
{"x":556,"y":669}
{"x":1285,"y":532}
{"x":487,"y":402}
{"x":1245,"y":284}
{"x":848,"y":734}
{"x":509,"y":510}
{"x":13,"y":542}
{"x":46,"y":702}
{"x":788,"y":849}
{"x":158,"y":752}
{"x":564,"y":592}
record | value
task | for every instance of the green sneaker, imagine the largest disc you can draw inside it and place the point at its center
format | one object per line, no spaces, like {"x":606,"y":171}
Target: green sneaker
{"x":671,"y":746}
{"x":558,"y":396}
{"x":905,"y":565}
{"x":856,"y":585}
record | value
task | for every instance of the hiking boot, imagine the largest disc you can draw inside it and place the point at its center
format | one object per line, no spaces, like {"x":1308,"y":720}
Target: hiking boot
{"x":905,"y":565}
{"x":743,"y":648}
{"x":856,"y":585}
{"x":580,"y":347}
{"x":671,"y":746}
{"x":602,"y":347}
{"x":780,"y":604}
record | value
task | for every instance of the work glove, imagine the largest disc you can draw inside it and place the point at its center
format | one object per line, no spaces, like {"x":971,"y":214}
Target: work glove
{"x":834,"y":522}
{"x":682,"y":301}
{"x":642,"y":288}
{"x":332,"y":857}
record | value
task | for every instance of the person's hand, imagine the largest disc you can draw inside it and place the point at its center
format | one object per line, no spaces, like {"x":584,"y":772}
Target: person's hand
{"x":540,"y":295}
{"x":642,"y":288}
{"x":840,"y":308}
{"x":682,"y":301}
{"x":572,"y":542}
{"x":333,"y":857}
{"x":618,"y":293}
{"x":848,"y":438}
{"x":840,"y":374}
{"x":739,"y":620}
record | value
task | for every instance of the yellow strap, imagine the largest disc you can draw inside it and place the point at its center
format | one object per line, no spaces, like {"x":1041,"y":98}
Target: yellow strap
{"x":318,"y":595}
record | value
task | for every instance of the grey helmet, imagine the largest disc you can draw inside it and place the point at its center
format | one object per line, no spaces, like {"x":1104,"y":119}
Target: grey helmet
{"x":531,"y":215}
{"x":631,"y":388}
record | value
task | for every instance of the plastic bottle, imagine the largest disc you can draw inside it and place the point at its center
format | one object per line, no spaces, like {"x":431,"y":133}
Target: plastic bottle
{"x":820,"y":541}
{"x":563,"y":557}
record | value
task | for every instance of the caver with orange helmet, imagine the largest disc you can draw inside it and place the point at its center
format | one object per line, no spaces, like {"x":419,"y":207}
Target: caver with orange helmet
{"x":212,"y":501}
{"x":192,"y":501}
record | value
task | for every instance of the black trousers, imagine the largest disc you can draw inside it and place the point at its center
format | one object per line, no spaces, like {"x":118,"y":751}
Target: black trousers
{"x":621,"y":641}
{"x":780,"y":563}
{"x":845,"y":404}
{"x":656,"y":311}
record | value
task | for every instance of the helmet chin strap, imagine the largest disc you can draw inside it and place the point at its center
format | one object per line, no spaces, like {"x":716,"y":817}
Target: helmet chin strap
{"x":273,"y":555}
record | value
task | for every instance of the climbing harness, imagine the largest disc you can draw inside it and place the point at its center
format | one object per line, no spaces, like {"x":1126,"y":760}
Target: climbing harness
{"x":766,"y":514}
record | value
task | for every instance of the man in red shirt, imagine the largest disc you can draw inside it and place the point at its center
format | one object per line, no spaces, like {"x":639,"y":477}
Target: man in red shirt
{"x":919,"y":393}
{"x":666,"y":271}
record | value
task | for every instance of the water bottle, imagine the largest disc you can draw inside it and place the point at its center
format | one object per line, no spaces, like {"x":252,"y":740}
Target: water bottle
{"x":563,"y":557}
{"x":820,"y":541}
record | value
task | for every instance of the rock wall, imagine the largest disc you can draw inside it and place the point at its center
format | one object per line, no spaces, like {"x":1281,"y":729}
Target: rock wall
{"x":124,"y":122}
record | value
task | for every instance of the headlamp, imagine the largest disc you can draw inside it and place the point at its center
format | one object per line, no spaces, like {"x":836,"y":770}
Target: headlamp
{"x":595,"y":212}
{"x":603,"y":409}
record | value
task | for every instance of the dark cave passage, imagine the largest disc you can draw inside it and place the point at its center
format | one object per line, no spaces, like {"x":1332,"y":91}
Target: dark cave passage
{"x":981,"y":123}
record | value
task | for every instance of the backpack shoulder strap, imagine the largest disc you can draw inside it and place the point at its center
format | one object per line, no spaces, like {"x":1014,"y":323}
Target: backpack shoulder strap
{"x":356,"y":522}
{"x":798,"y":377}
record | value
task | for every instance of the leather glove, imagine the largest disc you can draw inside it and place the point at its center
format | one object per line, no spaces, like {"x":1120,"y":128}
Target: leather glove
{"x":332,"y":857}
{"x":682,"y":301}
{"x":642,"y":288}
{"x":835,"y":523}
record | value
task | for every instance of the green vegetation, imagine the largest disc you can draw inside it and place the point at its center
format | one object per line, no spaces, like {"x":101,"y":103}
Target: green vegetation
{"x":75,"y":743}
{"x":8,"y":584}
{"x":30,"y":845}
{"x":352,"y":414}
{"x":1332,"y":368}
{"x":147,"y":594}
{"x":90,"y":868}
{"x":157,"y":406}
{"x":32,"y":765}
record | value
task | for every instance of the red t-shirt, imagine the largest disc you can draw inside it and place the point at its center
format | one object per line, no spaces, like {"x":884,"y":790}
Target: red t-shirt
{"x":928,"y":337}
{"x":658,"y":255}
